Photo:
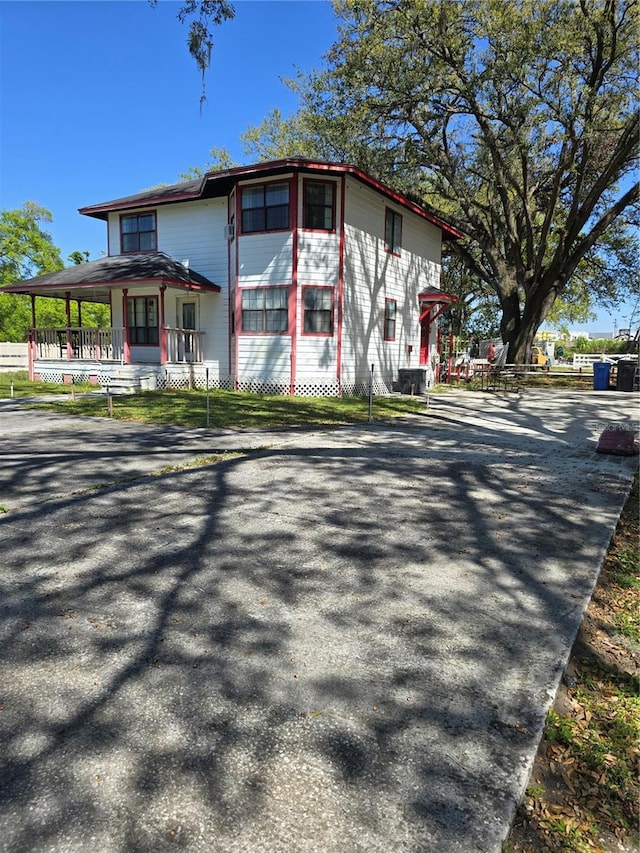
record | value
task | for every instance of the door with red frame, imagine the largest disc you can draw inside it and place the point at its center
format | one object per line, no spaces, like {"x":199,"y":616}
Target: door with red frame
{"x":425,"y":329}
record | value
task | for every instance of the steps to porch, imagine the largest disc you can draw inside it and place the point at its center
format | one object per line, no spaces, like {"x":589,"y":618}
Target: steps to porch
{"x":131,"y":380}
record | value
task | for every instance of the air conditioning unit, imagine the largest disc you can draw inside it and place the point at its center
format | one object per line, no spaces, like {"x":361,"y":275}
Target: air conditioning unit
{"x":229,"y":231}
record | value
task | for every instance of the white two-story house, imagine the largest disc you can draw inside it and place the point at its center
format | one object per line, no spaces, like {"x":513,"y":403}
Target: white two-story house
{"x":293,"y":276}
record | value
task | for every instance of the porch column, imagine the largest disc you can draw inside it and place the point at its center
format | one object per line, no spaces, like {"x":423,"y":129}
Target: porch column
{"x":32,"y":337}
{"x":125,"y":322}
{"x":163,"y":328}
{"x":79,"y":312}
{"x":67,"y":305}
{"x":31,"y":350}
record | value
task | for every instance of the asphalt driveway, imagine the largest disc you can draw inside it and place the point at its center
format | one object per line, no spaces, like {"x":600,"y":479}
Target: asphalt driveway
{"x":337,"y":640}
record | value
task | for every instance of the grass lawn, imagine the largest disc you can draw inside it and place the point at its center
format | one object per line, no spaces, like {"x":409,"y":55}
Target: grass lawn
{"x":232,"y":409}
{"x":23,"y":388}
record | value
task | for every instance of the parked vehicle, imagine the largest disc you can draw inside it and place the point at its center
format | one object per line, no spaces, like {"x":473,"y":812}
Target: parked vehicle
{"x":538,"y":357}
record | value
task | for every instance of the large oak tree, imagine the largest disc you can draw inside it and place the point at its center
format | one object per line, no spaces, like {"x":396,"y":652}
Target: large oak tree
{"x":518,"y":120}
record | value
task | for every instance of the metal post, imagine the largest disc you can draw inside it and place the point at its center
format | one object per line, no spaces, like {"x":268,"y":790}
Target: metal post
{"x":371,"y":394}
{"x":12,"y":389}
{"x":206,"y":374}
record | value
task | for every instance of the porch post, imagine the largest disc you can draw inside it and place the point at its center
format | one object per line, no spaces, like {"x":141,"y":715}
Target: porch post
{"x":33,"y":311}
{"x":125,"y":323}
{"x":67,"y":302}
{"x":163,"y":328}
{"x":31,"y":350}
{"x":79,"y":312}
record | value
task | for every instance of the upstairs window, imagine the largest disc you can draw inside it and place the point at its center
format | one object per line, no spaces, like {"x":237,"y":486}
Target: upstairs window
{"x":318,"y":310}
{"x":138,"y":233}
{"x":392,"y":231}
{"x":142,"y":320}
{"x":319,"y":205}
{"x":390,"y":308}
{"x":265,"y":309}
{"x":265,"y":208}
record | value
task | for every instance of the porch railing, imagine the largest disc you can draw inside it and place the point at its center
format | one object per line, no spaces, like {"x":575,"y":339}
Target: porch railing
{"x":108,"y":344}
{"x":86,"y":343}
{"x":184,"y":345}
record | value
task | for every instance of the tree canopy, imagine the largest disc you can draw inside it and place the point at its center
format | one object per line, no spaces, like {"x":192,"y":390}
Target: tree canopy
{"x":27,"y":250}
{"x":517,"y":120}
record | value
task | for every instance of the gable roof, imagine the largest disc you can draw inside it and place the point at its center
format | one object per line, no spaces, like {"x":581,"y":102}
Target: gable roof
{"x":114,"y":271}
{"x":217,"y":184}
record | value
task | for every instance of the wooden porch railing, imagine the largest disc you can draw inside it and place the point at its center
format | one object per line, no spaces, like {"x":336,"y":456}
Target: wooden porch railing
{"x":184,"y":345}
{"x":108,"y":344}
{"x":75,"y":342}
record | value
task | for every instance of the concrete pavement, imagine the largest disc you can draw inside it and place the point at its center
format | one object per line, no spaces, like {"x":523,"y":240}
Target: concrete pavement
{"x":339,"y":640}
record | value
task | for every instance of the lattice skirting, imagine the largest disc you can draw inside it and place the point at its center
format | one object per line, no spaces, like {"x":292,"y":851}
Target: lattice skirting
{"x":177,"y":379}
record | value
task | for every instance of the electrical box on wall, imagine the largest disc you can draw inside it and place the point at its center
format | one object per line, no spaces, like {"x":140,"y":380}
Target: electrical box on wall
{"x":229,"y":231}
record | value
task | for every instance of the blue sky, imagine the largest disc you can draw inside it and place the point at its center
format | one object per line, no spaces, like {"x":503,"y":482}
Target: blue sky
{"x":101,"y":99}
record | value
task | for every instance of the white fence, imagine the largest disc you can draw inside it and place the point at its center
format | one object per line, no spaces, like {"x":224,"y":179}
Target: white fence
{"x":13,"y":356}
{"x":587,"y":359}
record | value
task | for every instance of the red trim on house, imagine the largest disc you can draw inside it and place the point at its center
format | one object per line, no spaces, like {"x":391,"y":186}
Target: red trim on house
{"x":231,"y":318}
{"x":292,"y":214}
{"x":240,"y":332}
{"x":126,"y":347}
{"x":100,"y":211}
{"x":302,"y":310}
{"x":340,"y":307}
{"x":130,"y":215}
{"x":305,"y":182}
{"x":293,"y":296}
{"x":238,"y":299}
{"x":31,"y":349}
{"x":163,"y":328}
{"x":46,"y":289}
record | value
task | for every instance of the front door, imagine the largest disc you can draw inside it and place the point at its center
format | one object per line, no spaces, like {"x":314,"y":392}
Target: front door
{"x":187,"y":320}
{"x":425,"y":329}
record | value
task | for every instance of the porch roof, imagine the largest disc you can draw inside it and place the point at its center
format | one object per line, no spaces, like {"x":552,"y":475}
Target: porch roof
{"x":91,"y":282}
{"x":435,"y":295}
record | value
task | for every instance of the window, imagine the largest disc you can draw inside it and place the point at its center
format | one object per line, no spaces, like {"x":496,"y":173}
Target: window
{"x":138,"y":233}
{"x":319,"y":209}
{"x":265,"y":309}
{"x":318,"y":310}
{"x":392,"y":231}
{"x":390,"y":307}
{"x":142,"y":320}
{"x":265,"y":208}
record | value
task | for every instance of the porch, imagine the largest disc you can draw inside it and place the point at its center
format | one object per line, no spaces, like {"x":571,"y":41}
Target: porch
{"x":105,"y":355}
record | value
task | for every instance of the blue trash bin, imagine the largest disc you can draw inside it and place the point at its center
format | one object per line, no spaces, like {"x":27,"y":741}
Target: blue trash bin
{"x":601,"y":373}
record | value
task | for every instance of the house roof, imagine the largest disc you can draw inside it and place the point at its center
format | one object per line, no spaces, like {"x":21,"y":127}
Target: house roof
{"x":216,"y":184}
{"x":434,"y":294}
{"x":90,"y":281}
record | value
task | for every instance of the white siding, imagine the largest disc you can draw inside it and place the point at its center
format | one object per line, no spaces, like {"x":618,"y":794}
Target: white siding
{"x":265,"y":258}
{"x":372,"y":275}
{"x":264,"y":358}
{"x":194,"y":232}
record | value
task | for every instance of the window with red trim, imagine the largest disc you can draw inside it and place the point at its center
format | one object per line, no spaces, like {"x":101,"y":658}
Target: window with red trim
{"x":265,"y":207}
{"x":390,"y":308}
{"x":317,"y":304}
{"x":319,"y":205}
{"x":142,"y":320}
{"x":265,"y":309}
{"x":392,"y":231}
{"x":138,"y":233}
